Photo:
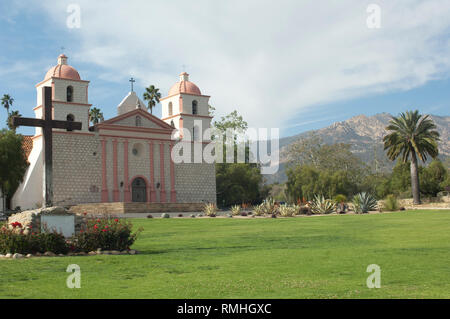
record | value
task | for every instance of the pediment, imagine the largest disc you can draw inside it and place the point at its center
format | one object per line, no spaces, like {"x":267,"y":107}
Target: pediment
{"x":138,"y":118}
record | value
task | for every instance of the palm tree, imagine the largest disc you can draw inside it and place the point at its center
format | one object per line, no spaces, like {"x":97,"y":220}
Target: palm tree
{"x":7,"y":102}
{"x":9,"y":120}
{"x":151,"y":95}
{"x":412,"y":135}
{"x":95,"y":115}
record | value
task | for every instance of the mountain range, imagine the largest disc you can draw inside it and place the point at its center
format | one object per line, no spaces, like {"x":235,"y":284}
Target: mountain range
{"x":365,"y":134}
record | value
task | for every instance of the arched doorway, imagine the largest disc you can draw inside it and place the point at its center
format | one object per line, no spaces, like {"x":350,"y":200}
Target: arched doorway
{"x":138,"y":190}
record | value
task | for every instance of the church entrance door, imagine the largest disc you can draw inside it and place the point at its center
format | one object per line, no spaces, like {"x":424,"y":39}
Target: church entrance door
{"x":138,"y":190}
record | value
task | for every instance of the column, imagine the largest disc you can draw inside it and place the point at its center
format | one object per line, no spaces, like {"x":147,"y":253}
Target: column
{"x":104,"y":180}
{"x":162,"y":194}
{"x":126,"y":185}
{"x":173,"y":193}
{"x":152,"y":197}
{"x":116,"y":197}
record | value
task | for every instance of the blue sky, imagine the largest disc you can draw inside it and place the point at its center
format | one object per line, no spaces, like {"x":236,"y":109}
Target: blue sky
{"x":295,"y":65}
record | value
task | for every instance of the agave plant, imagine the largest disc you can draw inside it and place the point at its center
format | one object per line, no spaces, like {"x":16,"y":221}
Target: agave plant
{"x":287,"y":210}
{"x":363,"y":203}
{"x":236,"y":210}
{"x":210,"y":210}
{"x":269,"y":207}
{"x":258,"y":210}
{"x":320,"y":205}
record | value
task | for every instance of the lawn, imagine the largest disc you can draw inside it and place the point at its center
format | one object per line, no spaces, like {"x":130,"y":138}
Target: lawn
{"x":305,"y":257}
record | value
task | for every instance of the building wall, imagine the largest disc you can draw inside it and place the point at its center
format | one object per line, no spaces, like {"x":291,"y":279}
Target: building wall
{"x":76,"y":168}
{"x":30,"y":193}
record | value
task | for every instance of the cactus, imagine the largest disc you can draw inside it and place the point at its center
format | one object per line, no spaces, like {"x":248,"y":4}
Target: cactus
{"x":363,"y":203}
{"x":320,"y":205}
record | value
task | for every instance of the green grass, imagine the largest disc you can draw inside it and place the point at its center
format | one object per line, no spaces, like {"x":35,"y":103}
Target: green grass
{"x":312,"y":257}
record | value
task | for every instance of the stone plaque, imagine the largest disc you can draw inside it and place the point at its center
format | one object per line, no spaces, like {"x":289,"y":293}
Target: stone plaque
{"x":62,"y":224}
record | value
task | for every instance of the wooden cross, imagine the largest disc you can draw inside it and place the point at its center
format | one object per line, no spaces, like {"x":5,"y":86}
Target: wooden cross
{"x":132,"y":81}
{"x":47,"y":124}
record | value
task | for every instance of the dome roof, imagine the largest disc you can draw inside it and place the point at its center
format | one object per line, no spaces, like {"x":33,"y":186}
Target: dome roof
{"x":184,"y":86}
{"x":63,"y":70}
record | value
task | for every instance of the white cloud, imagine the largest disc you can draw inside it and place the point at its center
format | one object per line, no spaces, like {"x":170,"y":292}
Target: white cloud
{"x":271,"y":60}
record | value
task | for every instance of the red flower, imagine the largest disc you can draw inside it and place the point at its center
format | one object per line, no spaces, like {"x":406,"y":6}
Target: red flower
{"x":95,"y":226}
{"x":104,"y":230}
{"x":116,"y":220}
{"x":98,"y":220}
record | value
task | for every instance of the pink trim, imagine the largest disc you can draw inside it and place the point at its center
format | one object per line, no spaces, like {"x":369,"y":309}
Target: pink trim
{"x":181,"y":104}
{"x":84,"y":81}
{"x":173,"y":193}
{"x":181,"y":127}
{"x":152,"y":197}
{"x":186,"y":114}
{"x":126,"y":193}
{"x":169,"y":96}
{"x":104,"y":180}
{"x":134,"y":129}
{"x":162,"y":193}
{"x":116,"y":196}
{"x":145,"y":114}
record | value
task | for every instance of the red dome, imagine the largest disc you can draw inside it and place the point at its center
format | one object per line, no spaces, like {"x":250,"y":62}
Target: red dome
{"x":184,"y":86}
{"x":63,"y":70}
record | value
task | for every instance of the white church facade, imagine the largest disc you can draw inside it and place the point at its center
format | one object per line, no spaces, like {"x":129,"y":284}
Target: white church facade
{"x":123,"y":159}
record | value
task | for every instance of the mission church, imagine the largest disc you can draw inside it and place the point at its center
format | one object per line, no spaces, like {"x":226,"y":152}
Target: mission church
{"x":123,"y":159}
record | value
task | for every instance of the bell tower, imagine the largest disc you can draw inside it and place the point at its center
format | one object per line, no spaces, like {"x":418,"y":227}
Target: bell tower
{"x":69,"y":94}
{"x":185,"y":107}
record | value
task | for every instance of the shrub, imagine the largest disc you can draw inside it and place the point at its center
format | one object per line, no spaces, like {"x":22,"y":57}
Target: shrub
{"x":149,"y":216}
{"x":192,"y":216}
{"x":363,"y":203}
{"x":17,"y":240}
{"x":210,"y":210}
{"x":236,"y":210}
{"x":105,"y":233}
{"x":165,"y":215}
{"x":180,"y":215}
{"x":304,"y":210}
{"x":244,"y":214}
{"x":320,"y":205}
{"x":390,"y":203}
{"x":287,"y":210}
{"x":339,"y":199}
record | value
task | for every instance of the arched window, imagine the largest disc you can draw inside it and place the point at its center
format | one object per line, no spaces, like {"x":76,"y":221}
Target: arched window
{"x":70,"y":118}
{"x":194,"y":107}
{"x":170,"y":109}
{"x":69,"y":94}
{"x":138,"y":121}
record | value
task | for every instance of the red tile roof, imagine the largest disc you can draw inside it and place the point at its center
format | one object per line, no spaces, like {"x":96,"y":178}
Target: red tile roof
{"x":27,"y":144}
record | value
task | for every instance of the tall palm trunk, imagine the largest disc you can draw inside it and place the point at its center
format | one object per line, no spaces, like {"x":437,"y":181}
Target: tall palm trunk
{"x":415,"y":179}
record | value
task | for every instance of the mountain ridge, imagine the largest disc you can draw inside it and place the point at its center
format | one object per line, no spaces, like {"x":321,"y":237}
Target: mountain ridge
{"x":365,"y":134}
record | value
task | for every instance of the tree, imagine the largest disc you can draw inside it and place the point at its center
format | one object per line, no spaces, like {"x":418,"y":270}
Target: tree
{"x":7,"y":102}
{"x":237,"y":183}
{"x":9,"y":120}
{"x":95,"y":115}
{"x":412,"y":135}
{"x":432,"y":178}
{"x":311,"y":151}
{"x":13,"y":163}
{"x":151,"y":95}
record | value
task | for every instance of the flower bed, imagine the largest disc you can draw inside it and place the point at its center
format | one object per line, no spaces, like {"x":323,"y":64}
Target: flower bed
{"x":98,"y":234}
